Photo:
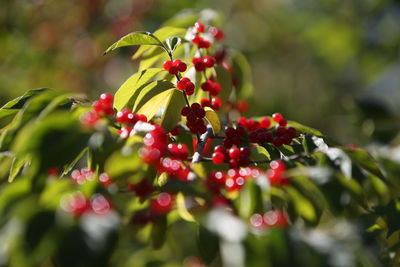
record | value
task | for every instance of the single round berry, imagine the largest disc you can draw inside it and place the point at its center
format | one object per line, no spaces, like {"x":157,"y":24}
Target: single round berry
{"x":199,"y":66}
{"x":218,"y":157}
{"x":167,"y":65}
{"x":199,"y":27}
{"x":277,"y":117}
{"x":208,"y":61}
{"x":217,"y":33}
{"x":265,"y":123}
{"x":216,"y":103}
{"x":107,"y":98}
{"x":185,"y":111}
{"x":283,"y":122}
{"x":181,"y":66}
{"x":234,"y":153}
{"x":245,"y":151}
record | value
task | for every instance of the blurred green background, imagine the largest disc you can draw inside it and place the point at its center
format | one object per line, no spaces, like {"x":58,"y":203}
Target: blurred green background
{"x":331,"y":64}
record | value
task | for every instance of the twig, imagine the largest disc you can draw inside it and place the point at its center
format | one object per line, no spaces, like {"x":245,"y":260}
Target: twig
{"x":200,"y":145}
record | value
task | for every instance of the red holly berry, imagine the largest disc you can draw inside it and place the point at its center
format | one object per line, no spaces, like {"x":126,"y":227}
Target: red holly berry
{"x":234,"y":153}
{"x":216,"y":103}
{"x":265,"y":123}
{"x":105,"y":179}
{"x":199,"y":27}
{"x":218,"y":157}
{"x":162,"y":204}
{"x":217,"y":33}
{"x":277,"y":117}
{"x":208,"y":61}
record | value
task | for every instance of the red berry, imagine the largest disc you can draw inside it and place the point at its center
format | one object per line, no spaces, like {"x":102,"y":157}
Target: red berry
{"x":199,"y":27}
{"x":242,"y":106}
{"x":207,"y":86}
{"x":185,"y":111}
{"x":265,"y":123}
{"x":220,"y":55}
{"x":277,"y":117}
{"x":217,"y":33}
{"x":280,"y":131}
{"x":234,"y":153}
{"x":215,"y":89}
{"x":199,"y":66}
{"x":162,"y":204}
{"x":216,"y":103}
{"x":167,"y":65}
{"x":107,"y":98}
{"x":205,"y":102}
{"x":204,"y":44}
{"x":277,"y":141}
{"x":245,"y":151}
{"x":105,"y":179}
{"x":208,"y":61}
{"x":275,"y":218}
{"x":173,"y":70}
{"x":291,"y":132}
{"x":219,"y":149}
{"x":195,"y":106}
{"x":176,"y":131}
{"x":218,"y":157}
{"x":181,"y":67}
{"x":283,"y":122}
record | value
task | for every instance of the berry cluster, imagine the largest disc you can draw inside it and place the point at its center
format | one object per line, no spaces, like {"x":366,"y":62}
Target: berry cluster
{"x":186,"y":85}
{"x":104,"y":106}
{"x":234,"y":136}
{"x":201,"y":63}
{"x":173,"y":67}
{"x":174,"y":169}
{"x":100,"y":108}
{"x":215,"y":103}
{"x":235,"y":156}
{"x":259,"y":131}
{"x":129,"y":119}
{"x":155,"y":146}
{"x":216,"y":33}
{"x":212,"y":87}
{"x":85,"y":174}
{"x":142,"y":189}
{"x":178,"y":151}
{"x":77,"y":204}
{"x":82,"y":175}
{"x":194,"y":117}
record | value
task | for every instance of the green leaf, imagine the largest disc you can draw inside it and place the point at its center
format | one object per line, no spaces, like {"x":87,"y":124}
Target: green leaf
{"x":250,"y":200}
{"x":136,"y":38}
{"x":304,"y":129}
{"x":365,"y":160}
{"x":19,"y":102}
{"x":212,"y":118}
{"x":162,"y":34}
{"x":149,"y":91}
{"x":172,"y":43}
{"x":53,"y":141}
{"x":259,"y":153}
{"x":172,"y":112}
{"x":224,"y":78}
{"x":16,"y":167}
{"x":156,"y":103}
{"x":302,"y":205}
{"x":130,"y":89}
{"x":182,"y":210}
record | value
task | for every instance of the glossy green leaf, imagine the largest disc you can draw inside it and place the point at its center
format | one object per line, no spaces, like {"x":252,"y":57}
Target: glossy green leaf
{"x":17,"y":166}
{"x":135,"y":38}
{"x":162,"y":34}
{"x":250,"y":200}
{"x":172,"y":111}
{"x":156,"y":104}
{"x":304,"y":129}
{"x":149,"y":91}
{"x":302,"y":205}
{"x":130,"y":89}
{"x":365,"y":160}
{"x":259,"y":153}
{"x":212,"y":118}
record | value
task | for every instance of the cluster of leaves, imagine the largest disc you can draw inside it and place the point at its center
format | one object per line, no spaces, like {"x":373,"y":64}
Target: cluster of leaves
{"x":309,"y":201}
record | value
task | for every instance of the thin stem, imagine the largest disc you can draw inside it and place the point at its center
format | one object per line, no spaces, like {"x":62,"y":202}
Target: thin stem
{"x":200,"y":145}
